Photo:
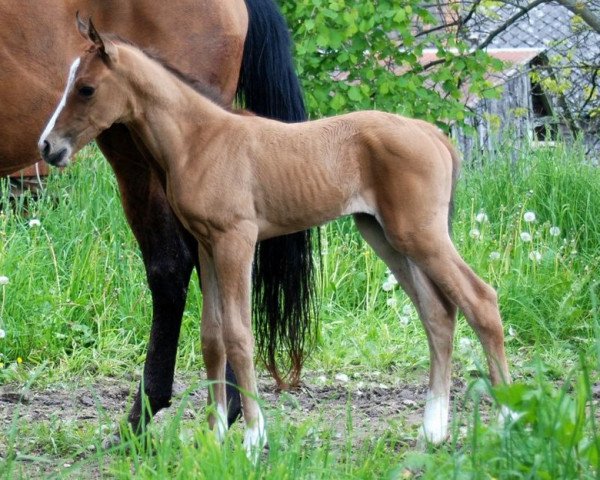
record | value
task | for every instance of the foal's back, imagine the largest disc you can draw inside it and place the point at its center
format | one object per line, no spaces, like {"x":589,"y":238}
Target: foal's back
{"x":309,"y":173}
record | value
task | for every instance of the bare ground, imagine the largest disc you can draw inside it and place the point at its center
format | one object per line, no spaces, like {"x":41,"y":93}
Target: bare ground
{"x":376,"y":406}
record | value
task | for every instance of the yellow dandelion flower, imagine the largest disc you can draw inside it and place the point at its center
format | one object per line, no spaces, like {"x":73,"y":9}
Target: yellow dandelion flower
{"x":19,"y":360}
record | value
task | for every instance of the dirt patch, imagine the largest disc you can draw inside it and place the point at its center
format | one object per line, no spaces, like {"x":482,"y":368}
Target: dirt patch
{"x":372,"y":403}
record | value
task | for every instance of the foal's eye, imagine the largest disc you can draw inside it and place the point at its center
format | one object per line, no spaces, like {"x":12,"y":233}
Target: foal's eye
{"x":86,"y":91}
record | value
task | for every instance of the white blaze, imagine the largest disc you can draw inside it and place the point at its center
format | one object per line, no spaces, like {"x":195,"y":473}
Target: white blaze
{"x":62,"y":103}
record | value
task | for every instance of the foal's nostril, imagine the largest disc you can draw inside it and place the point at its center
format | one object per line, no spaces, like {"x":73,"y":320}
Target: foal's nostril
{"x":46,"y":149}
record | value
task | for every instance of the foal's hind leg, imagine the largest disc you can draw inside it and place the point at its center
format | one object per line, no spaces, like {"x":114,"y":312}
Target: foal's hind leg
{"x":429,"y":246}
{"x":438,"y":316}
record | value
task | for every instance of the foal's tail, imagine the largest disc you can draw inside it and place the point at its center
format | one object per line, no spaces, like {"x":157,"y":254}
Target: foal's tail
{"x":284,"y":306}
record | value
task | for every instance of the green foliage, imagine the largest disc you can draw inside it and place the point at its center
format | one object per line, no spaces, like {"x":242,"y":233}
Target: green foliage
{"x":354,"y":54}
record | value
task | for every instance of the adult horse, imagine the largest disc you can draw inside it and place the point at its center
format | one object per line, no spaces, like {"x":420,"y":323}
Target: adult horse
{"x":236,"y":47}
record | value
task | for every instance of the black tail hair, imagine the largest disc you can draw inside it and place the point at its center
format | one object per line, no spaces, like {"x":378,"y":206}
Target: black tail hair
{"x":284,"y":306}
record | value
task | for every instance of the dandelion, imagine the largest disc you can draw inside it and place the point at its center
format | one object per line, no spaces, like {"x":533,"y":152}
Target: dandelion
{"x":2,"y":333}
{"x":389,"y":283}
{"x":535,"y":256}
{"x":526,"y":236}
{"x":19,"y":360}
{"x":481,"y":217}
{"x":512,"y":332}
{"x":392,"y":302}
{"x":465,"y":343}
{"x":554,"y":231}
{"x":34,"y":222}
{"x":407,"y":310}
{"x":474,"y":233}
{"x":529,"y":217}
{"x":404,"y":320}
{"x":3,"y":280}
{"x":495,"y":256}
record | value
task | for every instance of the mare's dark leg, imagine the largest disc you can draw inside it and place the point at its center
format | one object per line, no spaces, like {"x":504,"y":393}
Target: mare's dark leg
{"x":169,"y":253}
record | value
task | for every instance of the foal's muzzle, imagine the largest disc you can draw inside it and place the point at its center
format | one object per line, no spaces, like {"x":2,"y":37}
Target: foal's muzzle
{"x":57,"y":155}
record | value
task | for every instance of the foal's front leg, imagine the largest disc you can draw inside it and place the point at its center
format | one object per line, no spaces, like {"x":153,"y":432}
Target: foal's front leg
{"x":232,"y":254}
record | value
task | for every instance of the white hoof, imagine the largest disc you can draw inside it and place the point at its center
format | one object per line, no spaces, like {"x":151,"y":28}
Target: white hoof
{"x":507,"y":416}
{"x":255,"y":439}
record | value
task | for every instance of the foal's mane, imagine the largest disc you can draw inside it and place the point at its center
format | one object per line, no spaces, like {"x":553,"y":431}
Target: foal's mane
{"x":206,"y":90}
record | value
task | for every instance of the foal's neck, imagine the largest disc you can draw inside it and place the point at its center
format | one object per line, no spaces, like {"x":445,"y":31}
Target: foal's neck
{"x":168,"y":115}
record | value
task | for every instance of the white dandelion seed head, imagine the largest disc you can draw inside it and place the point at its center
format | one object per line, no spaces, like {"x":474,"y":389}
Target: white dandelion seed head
{"x":481,"y":217}
{"x":529,"y":217}
{"x":407,"y":310}
{"x":535,"y":256}
{"x":474,"y":233}
{"x":404,"y":320}
{"x":2,"y":333}
{"x":391,"y":302}
{"x":495,"y":256}
{"x":4,"y":280}
{"x":554,"y":231}
{"x":387,"y":286}
{"x":511,"y":331}
{"x":34,"y":222}
{"x":465,"y":343}
{"x":526,"y":236}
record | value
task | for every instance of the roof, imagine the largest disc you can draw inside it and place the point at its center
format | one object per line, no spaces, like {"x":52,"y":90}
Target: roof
{"x":552,"y":28}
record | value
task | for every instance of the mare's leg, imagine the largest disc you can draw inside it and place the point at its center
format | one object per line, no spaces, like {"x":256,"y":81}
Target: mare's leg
{"x":232,"y":254}
{"x":169,"y":254}
{"x":438,"y":315}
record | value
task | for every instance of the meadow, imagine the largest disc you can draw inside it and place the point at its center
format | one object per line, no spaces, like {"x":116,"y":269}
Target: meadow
{"x":75,"y":316}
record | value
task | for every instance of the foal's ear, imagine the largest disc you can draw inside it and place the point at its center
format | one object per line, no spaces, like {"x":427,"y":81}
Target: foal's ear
{"x":87,"y":30}
{"x":105,"y":47}
{"x":82,"y":26}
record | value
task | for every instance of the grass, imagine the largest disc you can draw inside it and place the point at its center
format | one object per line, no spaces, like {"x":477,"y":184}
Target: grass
{"x":76,"y":310}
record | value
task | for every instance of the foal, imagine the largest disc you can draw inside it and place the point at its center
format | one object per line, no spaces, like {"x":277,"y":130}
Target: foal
{"x":234,"y":180}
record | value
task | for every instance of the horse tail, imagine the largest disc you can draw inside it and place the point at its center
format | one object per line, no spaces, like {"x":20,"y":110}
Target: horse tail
{"x":284,"y":307}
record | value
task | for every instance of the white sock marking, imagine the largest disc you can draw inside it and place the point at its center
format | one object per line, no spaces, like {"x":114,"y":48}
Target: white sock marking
{"x":61,"y":105}
{"x":221,"y":424}
{"x":255,"y":438}
{"x":435,"y":421}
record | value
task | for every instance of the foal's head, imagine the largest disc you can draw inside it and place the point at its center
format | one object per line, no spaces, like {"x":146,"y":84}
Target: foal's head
{"x":95,"y":97}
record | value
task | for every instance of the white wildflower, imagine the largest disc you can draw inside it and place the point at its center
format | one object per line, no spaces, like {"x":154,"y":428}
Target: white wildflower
{"x":535,"y":256}
{"x":342,"y":377}
{"x":526,"y":236}
{"x":389,"y":283}
{"x":407,"y":310}
{"x":391,"y":302}
{"x":2,"y":333}
{"x":404,"y":320}
{"x":512,"y":332}
{"x":554,"y":231}
{"x":529,"y":217}
{"x":495,"y":256}
{"x":481,"y":217}
{"x":3,"y":280}
{"x":465,"y":343}
{"x":34,"y":222}
{"x":474,"y":233}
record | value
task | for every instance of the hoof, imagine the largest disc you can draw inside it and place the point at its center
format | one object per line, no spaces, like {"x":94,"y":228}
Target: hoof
{"x":112,"y":441}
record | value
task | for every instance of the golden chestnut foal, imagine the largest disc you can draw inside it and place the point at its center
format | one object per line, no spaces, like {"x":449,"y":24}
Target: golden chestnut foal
{"x":234,"y":180}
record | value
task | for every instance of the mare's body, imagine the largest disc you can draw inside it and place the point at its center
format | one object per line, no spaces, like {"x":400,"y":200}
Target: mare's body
{"x":204,"y":39}
{"x":233,"y":180}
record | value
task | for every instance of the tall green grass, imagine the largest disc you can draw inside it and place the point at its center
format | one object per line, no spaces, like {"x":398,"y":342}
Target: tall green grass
{"x":76,"y":305}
